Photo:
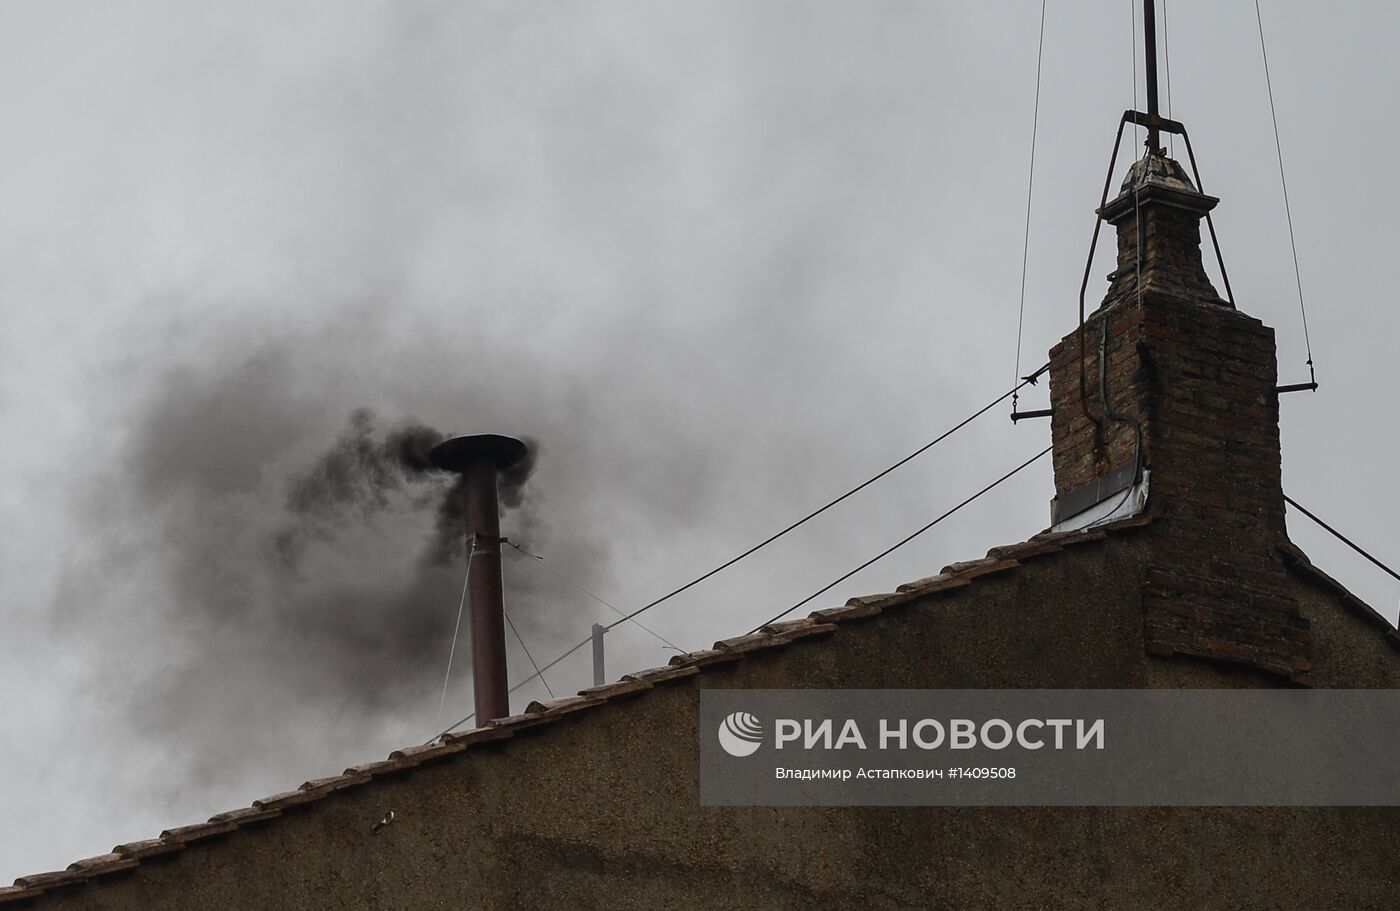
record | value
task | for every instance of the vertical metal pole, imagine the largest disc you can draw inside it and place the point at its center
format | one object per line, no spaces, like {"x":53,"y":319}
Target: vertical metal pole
{"x":1149,"y":40}
{"x":487,"y":607}
{"x":599,"y":675}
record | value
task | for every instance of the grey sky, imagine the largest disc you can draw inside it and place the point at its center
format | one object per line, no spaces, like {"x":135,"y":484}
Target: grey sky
{"x":722,"y":260}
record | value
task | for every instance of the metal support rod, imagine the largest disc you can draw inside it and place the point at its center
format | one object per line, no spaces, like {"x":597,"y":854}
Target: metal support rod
{"x":1088,"y":268}
{"x":1153,"y":122}
{"x":1214,"y":241}
{"x":1149,"y":41}
{"x":599,"y":674}
{"x":487,"y":605}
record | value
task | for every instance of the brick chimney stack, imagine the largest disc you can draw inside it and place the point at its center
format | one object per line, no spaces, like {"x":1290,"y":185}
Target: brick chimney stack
{"x":1184,"y":412}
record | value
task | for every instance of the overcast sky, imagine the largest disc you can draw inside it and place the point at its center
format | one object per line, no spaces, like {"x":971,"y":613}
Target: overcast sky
{"x":721,"y":260}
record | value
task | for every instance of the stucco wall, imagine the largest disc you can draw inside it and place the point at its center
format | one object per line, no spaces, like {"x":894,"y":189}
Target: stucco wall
{"x":599,"y":810}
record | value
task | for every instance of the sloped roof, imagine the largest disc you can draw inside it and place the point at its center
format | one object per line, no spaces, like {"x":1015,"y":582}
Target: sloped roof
{"x":818,"y":624}
{"x":1298,"y":561}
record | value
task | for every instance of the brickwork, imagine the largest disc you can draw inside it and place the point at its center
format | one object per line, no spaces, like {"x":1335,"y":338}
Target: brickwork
{"x":1171,"y":209}
{"x":1198,"y":376}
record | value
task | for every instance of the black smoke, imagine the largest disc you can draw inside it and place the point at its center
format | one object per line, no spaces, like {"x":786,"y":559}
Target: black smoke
{"x":359,"y":475}
{"x":374,"y":478}
{"x":305,"y":572}
{"x":366,"y":471}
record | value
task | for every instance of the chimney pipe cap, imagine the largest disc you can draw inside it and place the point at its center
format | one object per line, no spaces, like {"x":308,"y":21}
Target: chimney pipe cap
{"x":458,"y":453}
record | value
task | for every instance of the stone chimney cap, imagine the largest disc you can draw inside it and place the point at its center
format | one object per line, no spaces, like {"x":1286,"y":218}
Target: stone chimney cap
{"x":1157,"y":179}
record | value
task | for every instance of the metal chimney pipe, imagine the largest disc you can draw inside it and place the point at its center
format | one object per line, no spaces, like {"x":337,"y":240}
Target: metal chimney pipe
{"x":479,"y":459}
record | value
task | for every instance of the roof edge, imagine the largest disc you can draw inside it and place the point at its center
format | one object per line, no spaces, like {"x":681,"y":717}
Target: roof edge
{"x":1297,"y":561}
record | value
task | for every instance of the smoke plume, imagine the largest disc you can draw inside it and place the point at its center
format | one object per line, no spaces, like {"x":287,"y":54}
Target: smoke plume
{"x":300,"y":577}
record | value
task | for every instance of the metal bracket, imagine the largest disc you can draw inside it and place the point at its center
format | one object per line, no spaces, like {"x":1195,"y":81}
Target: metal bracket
{"x":1034,"y":380}
{"x":1309,"y":386}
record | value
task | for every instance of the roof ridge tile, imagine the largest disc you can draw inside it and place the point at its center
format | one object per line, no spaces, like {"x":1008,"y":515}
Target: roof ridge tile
{"x":199,"y":830}
{"x":930,"y":584}
{"x":706,"y":657}
{"x":853,"y":609}
{"x":149,"y":847}
{"x":663,"y":674}
{"x":618,"y":689}
{"x":971,"y":569}
{"x":748,"y":640}
{"x":48,"y":880}
{"x":243,"y":816}
{"x":562,"y":705}
{"x":102,"y":864}
{"x":484,"y":734}
{"x":286,"y":799}
{"x":378,"y":768}
{"x":335,"y":782}
{"x":520,"y":721}
{"x":801,"y":628}
{"x":419,"y":753}
{"x":877,"y":601}
{"x":1025,"y":551}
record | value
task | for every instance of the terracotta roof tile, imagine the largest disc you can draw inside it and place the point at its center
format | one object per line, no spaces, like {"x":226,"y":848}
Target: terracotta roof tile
{"x":621,"y":689}
{"x":186,"y":834}
{"x":747,"y":641}
{"x":878,"y":602}
{"x":519,"y":722}
{"x":425,"y":752}
{"x":378,"y":768}
{"x":242,"y":816}
{"x":1023,"y":552}
{"x":706,"y":657}
{"x":49,"y":880}
{"x":563,"y":705}
{"x":1051,"y":536}
{"x":801,"y":628}
{"x":930,"y":584}
{"x":478,"y":735}
{"x":971,"y":569}
{"x":102,"y":863}
{"x":665,"y":674}
{"x":148,"y":848}
{"x":1088,"y":536}
{"x":335,"y":782}
{"x":285,"y":799}
{"x":855,"y":609}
